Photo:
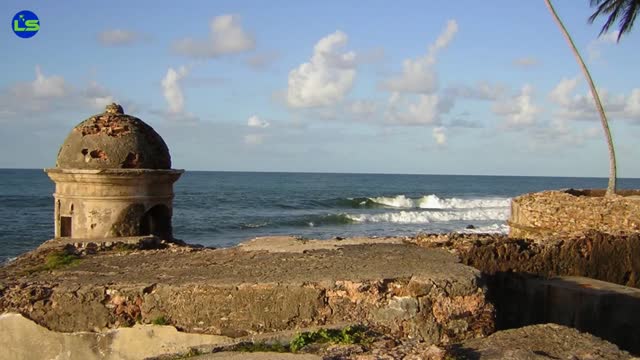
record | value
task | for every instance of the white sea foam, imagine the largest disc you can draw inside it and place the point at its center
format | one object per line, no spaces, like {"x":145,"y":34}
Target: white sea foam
{"x":399,"y":201}
{"x":425,"y":217}
{"x":489,"y":229}
{"x":434,"y":202}
{"x":8,"y":260}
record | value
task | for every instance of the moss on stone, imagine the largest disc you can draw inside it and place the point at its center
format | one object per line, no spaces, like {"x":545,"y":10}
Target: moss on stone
{"x":345,"y":336}
{"x":160,"y":320}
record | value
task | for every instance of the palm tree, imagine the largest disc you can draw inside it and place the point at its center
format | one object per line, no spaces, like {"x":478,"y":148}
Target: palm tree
{"x":626,"y":10}
{"x":611,"y":187}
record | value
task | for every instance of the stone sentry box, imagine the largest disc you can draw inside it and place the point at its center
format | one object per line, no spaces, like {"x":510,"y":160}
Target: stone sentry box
{"x":113,"y":178}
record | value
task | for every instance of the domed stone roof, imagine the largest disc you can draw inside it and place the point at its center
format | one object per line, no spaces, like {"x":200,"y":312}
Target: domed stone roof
{"x":113,"y":140}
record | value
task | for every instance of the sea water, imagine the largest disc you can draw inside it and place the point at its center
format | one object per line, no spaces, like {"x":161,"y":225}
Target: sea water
{"x":224,"y":208}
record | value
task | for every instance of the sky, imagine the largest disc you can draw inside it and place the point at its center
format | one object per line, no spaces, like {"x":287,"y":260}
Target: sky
{"x":417,"y":87}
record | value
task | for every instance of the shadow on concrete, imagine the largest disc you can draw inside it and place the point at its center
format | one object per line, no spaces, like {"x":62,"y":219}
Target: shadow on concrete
{"x":606,"y":310}
{"x":461,"y":352}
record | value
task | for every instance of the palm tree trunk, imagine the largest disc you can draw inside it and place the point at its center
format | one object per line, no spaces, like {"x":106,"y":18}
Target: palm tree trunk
{"x":611,"y":188}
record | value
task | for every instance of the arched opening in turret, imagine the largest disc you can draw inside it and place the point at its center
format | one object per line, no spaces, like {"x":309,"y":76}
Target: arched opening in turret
{"x":157,"y":221}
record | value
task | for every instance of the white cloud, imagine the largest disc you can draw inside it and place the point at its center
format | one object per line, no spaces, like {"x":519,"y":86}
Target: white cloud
{"x":41,"y":94}
{"x":172,"y":89}
{"x":43,"y":87}
{"x":326,"y":78}
{"x":562,"y":132}
{"x":563,"y":92}
{"x":426,"y":110}
{"x":482,"y":90}
{"x":519,"y":110}
{"x":526,"y":62}
{"x":253,"y":139}
{"x":439,"y":135}
{"x":594,"y":49}
{"x":575,"y":106}
{"x":362,"y":108}
{"x":53,"y":95}
{"x":226,"y":37}
{"x":632,"y":105}
{"x":371,"y":56}
{"x":255,"y":122}
{"x":97,"y":96}
{"x":118,"y":37}
{"x":464,"y":123}
{"x":418,"y":75}
{"x":262,"y":60}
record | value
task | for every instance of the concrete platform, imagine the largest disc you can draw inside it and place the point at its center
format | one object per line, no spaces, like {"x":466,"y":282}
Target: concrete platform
{"x":147,"y":241}
{"x":607,"y":310}
{"x":548,"y":341}
{"x":267,"y":285}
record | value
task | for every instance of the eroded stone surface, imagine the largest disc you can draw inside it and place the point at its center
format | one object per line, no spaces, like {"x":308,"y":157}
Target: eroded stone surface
{"x":549,"y":341}
{"x":257,"y":356}
{"x":406,"y":290}
{"x":597,"y":255}
{"x":297,"y":245}
{"x":22,"y":339}
{"x":113,"y":140}
{"x":564,"y":214}
{"x":605,"y":309}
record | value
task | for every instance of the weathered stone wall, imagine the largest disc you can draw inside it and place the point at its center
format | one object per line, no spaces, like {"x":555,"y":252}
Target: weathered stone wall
{"x":109,"y":203}
{"x":596,"y":255}
{"x":548,"y":341}
{"x":603,"y":309}
{"x":571,"y":213}
{"x":404,"y":290}
{"x":564,"y":289}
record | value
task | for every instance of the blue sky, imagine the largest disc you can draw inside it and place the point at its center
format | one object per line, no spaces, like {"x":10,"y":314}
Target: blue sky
{"x":420,"y":87}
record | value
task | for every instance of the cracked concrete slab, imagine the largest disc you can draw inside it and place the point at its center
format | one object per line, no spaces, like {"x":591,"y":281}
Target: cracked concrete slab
{"x":403,"y":289}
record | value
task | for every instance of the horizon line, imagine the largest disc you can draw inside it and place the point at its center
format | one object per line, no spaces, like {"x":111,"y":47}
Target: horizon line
{"x":371,"y":173}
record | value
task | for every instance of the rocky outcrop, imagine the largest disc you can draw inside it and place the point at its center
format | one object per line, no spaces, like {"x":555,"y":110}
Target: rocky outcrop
{"x":548,"y":341}
{"x":420,"y":300}
{"x":596,"y":255}
{"x":571,"y":213}
{"x":535,"y":281}
{"x":600,"y":308}
{"x":25,"y":340}
{"x":401,"y":289}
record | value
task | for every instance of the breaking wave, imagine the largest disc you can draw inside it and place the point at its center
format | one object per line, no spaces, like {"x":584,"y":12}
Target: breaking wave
{"x":434,"y":202}
{"x":489,"y":229}
{"x":400,"y":209}
{"x":425,"y":217}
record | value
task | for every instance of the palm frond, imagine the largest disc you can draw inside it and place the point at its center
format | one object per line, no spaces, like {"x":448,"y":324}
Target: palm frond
{"x":622,"y":11}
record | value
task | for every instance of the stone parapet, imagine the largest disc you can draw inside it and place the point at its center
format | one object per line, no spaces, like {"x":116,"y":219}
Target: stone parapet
{"x":404,"y":290}
{"x":571,"y":213}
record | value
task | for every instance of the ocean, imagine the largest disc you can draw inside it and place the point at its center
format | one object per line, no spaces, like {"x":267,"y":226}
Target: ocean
{"x":224,"y":208}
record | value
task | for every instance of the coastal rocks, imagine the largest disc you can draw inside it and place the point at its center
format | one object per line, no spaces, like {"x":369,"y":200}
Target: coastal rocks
{"x":535,"y":281}
{"x":25,"y":340}
{"x":603,"y":309}
{"x":22,"y":339}
{"x":401,"y":289}
{"x":571,"y":213}
{"x":258,"y":356}
{"x":596,"y":255}
{"x":549,"y":341}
